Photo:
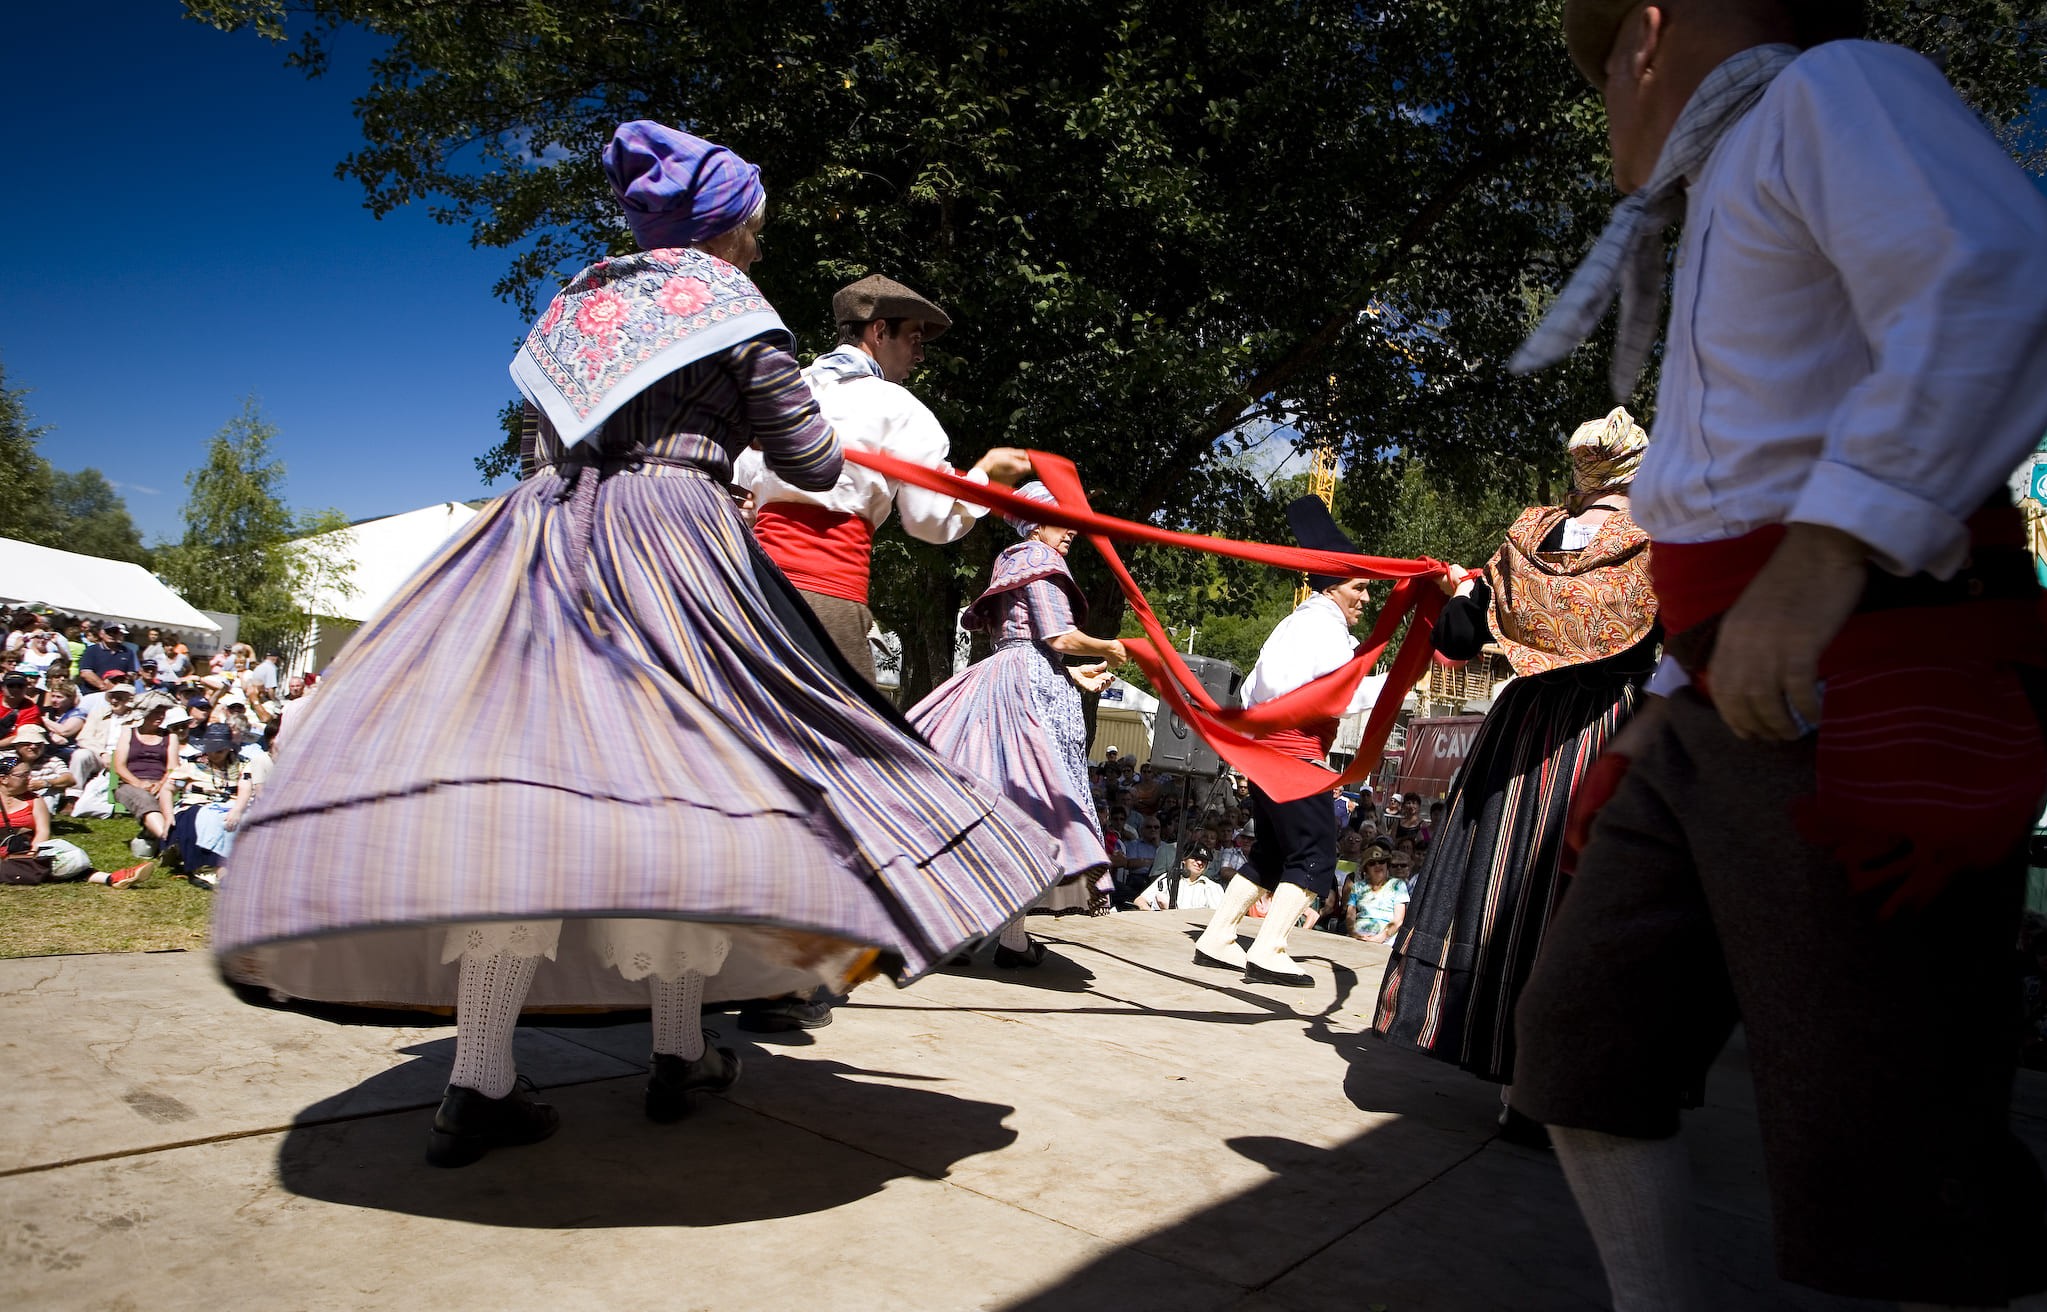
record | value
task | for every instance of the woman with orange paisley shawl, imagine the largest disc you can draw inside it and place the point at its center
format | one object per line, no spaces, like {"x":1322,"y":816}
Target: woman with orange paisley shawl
{"x":1567,"y":597}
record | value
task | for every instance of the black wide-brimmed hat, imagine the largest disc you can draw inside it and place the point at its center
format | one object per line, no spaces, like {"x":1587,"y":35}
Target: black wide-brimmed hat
{"x":1317,"y":530}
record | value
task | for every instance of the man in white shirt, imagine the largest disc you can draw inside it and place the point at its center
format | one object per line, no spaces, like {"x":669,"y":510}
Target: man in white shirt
{"x":1857,"y":339}
{"x":1293,"y":850}
{"x":824,"y":541}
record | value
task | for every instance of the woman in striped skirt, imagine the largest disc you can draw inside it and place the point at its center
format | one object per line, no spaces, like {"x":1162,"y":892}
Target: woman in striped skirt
{"x":631,"y":766}
{"x":1568,"y":598}
{"x":1015,"y":718}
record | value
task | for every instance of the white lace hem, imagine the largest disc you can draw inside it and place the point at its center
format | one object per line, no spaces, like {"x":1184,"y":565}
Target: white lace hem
{"x":634,"y":948}
{"x":665,"y":948}
{"x":518,"y":938}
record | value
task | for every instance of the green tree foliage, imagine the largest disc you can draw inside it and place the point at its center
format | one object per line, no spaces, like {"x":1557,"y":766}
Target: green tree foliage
{"x":1152,"y":220}
{"x":94,"y":519}
{"x":24,"y":474}
{"x":73,"y":512}
{"x":240,"y":552}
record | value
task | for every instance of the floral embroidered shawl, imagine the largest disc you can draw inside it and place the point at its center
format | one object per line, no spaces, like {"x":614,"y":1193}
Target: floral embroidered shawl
{"x":624,"y":324}
{"x":1557,"y":608}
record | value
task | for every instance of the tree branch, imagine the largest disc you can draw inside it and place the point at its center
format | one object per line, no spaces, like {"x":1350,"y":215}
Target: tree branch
{"x":1232,"y":412}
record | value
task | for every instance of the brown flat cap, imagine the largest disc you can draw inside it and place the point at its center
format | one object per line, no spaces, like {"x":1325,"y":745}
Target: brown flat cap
{"x":1590,"y":27}
{"x":876,"y":297}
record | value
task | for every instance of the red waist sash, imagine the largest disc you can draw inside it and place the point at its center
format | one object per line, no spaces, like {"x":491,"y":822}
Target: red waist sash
{"x":1308,"y":742}
{"x":825,"y":551}
{"x":1930,"y":759}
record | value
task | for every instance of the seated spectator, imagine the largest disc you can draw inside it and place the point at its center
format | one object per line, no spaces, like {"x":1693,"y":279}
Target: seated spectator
{"x":1409,"y":825}
{"x":109,"y":654}
{"x":42,"y":649}
{"x":180,"y":662}
{"x":58,"y":668}
{"x":1350,"y":850}
{"x":1131,"y":866}
{"x":213,"y":792}
{"x":49,"y":776}
{"x":1378,"y":900}
{"x":1193,"y":890}
{"x":144,"y":758}
{"x":104,"y":713}
{"x":21,"y":703}
{"x":25,"y":830}
{"x":1232,"y":854}
{"x":65,"y":723}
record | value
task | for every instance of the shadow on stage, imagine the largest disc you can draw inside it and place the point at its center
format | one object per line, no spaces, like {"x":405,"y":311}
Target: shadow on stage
{"x":1465,"y":1218}
{"x":608,"y":1166}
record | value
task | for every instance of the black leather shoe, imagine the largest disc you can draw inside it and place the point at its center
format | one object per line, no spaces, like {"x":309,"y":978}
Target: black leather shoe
{"x":1203,"y":959}
{"x":785,"y":1014}
{"x":1028,"y":959}
{"x":1257,"y":974}
{"x":468,"y":1125}
{"x":676,"y":1078}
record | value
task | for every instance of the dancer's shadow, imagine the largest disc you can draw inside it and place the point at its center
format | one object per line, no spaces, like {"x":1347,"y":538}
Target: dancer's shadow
{"x":609,"y":1166}
{"x":1059,"y":972}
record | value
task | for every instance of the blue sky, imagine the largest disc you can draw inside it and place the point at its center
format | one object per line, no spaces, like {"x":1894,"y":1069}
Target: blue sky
{"x":172,"y":239}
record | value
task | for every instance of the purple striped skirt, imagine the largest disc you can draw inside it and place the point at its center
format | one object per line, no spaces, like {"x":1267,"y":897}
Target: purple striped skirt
{"x":1015,"y":720}
{"x":585,"y":708}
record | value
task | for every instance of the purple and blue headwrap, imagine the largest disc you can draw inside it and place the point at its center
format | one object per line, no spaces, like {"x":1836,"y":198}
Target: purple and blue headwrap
{"x":678,"y":189}
{"x":1033,"y":491}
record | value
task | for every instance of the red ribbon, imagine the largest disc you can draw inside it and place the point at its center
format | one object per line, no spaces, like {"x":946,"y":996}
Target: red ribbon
{"x":1232,"y":732}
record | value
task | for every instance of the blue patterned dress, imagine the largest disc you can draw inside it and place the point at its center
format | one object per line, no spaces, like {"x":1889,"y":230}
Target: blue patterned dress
{"x":1015,"y":718}
{"x":586,"y":708}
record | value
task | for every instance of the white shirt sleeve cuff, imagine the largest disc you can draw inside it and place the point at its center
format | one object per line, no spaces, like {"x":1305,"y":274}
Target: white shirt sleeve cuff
{"x":973,"y":476}
{"x":1905,"y":533}
{"x":1669,"y":677}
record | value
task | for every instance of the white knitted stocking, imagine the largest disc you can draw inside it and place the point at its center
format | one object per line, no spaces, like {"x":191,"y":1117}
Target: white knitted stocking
{"x":486,"y":1013}
{"x":1636,"y":1195}
{"x":678,"y":1015}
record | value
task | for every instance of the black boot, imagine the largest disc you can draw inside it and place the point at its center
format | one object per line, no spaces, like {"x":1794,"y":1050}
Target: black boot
{"x":468,"y":1125}
{"x":1026,"y":958}
{"x":676,"y":1078}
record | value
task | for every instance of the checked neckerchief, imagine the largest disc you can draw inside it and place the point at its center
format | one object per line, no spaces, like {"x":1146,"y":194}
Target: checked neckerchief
{"x":1629,"y":254}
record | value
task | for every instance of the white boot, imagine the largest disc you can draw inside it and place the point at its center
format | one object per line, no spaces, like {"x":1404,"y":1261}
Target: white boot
{"x":1218,"y":944}
{"x":1267,"y":961}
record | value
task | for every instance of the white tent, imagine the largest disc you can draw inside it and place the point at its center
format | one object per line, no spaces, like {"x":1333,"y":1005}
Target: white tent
{"x":99,"y":589}
{"x":386,"y":553}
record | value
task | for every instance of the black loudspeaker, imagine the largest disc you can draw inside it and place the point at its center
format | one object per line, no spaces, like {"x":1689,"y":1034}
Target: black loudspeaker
{"x":1175,"y":746}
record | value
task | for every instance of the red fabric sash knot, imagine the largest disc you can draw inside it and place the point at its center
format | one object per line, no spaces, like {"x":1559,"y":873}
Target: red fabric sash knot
{"x":1242,"y":736}
{"x":824,"y":551}
{"x":1929,"y":760}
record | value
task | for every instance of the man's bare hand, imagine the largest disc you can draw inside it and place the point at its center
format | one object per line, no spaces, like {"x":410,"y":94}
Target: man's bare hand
{"x":1008,"y":465}
{"x":1766,"y":659}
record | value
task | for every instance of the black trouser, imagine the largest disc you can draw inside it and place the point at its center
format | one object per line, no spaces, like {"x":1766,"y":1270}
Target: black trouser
{"x":1295,"y":843}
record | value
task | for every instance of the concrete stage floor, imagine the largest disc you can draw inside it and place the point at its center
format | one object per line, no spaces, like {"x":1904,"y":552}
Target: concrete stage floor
{"x":1119,"y":1129}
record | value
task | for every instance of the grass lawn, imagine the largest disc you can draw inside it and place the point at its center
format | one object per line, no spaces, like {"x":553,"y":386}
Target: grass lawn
{"x":157,"y":913}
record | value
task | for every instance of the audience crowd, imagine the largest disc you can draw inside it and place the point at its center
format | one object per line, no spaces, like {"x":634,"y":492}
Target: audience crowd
{"x":1166,"y":853}
{"x":96,"y":720}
